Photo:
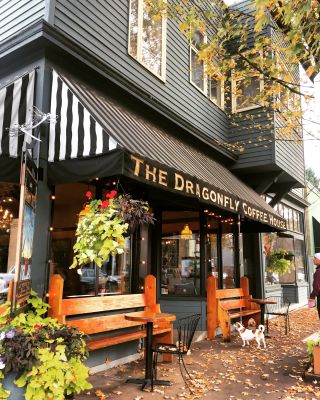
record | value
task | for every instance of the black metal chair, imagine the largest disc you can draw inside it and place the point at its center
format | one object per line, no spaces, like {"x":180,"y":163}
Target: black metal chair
{"x":186,"y":328}
{"x":281,"y":307}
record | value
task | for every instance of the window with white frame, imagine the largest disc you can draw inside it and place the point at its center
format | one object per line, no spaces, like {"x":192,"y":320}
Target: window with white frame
{"x":197,"y":67}
{"x":211,"y":87}
{"x":147,"y":37}
{"x":286,"y":100}
{"x":245,"y":93}
{"x":216,"y":91}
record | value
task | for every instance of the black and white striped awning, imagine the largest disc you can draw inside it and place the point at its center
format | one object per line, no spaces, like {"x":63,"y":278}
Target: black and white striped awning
{"x":99,"y":136}
{"x":76,"y":134}
{"x":16,"y":109}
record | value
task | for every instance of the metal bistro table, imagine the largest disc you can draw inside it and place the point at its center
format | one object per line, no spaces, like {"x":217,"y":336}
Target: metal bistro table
{"x":263,"y":303}
{"x":149,"y":318}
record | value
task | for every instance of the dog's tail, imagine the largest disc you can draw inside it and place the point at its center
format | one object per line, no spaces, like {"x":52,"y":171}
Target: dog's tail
{"x":261,"y":328}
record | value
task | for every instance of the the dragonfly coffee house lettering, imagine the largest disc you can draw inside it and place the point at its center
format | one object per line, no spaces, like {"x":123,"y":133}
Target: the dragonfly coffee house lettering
{"x":179,"y":182}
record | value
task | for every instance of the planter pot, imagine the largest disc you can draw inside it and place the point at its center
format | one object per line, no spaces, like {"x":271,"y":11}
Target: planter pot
{"x":316,"y":360}
{"x":16,"y":393}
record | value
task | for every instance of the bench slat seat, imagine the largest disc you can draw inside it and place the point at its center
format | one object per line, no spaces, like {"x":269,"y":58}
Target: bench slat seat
{"x":243,"y":313}
{"x":112,"y":340}
{"x":100,"y":316}
{"x":224,"y":305}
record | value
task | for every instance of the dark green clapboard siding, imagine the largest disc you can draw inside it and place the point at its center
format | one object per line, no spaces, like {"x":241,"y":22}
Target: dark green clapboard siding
{"x":184,"y":307}
{"x":16,"y":15}
{"x":290,"y":155}
{"x":253,"y":155}
{"x":102,"y":28}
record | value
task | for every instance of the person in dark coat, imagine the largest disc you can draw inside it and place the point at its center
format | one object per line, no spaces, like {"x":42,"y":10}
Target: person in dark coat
{"x":316,"y":281}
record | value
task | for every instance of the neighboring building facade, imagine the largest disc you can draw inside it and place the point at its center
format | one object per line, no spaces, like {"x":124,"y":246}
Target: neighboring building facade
{"x":137,"y":113}
{"x":312,"y":196}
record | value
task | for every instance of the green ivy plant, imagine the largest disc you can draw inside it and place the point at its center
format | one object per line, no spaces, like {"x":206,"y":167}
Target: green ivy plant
{"x":103,"y":225}
{"x":310,"y":347}
{"x":279,"y":261}
{"x":46,"y":356}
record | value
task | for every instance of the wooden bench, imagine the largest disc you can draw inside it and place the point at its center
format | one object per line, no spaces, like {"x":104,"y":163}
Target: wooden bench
{"x":225,"y":305}
{"x":96,"y":315}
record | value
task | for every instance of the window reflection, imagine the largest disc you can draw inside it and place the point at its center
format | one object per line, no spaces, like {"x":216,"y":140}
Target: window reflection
{"x":292,"y":244}
{"x":247,"y":92}
{"x":146,"y":37}
{"x":180,"y":254}
{"x":212,"y":245}
{"x":228,"y":267}
{"x":114,"y":277}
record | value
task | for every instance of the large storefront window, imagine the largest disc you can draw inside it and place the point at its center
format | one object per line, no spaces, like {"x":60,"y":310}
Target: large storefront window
{"x":211,"y":256}
{"x":180,"y":253}
{"x":114,"y":277}
{"x":299,"y":260}
{"x":220,"y":240}
{"x":272,"y":241}
{"x":9,"y":213}
{"x":228,"y":264}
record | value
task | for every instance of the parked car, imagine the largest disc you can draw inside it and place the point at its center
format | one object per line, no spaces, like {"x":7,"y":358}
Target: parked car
{"x":5,"y":278}
{"x":88,"y":276}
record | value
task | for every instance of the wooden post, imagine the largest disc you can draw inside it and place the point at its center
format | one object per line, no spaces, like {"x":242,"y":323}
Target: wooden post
{"x":244,"y":284}
{"x":10,"y":291}
{"x":150,"y":292}
{"x":55,"y":297}
{"x":212,"y":312}
{"x":316,"y":360}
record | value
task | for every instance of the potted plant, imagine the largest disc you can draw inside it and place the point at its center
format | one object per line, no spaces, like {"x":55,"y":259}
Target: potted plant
{"x":40,"y":355}
{"x":103,"y":225}
{"x":279,"y":261}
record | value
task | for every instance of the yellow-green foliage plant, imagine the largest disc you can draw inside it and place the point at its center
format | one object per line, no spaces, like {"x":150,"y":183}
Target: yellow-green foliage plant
{"x":46,"y":357}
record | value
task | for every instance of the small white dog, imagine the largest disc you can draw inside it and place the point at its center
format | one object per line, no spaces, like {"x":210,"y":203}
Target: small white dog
{"x":250,"y":334}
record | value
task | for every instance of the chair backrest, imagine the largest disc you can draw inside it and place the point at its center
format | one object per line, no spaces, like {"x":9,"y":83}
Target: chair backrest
{"x":281,"y":305}
{"x":186,"y":328}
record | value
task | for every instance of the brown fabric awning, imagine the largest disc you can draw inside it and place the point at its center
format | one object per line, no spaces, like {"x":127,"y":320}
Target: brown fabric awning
{"x":150,"y":154}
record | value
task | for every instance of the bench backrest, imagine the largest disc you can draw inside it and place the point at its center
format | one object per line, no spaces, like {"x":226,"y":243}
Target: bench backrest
{"x":228,"y":299}
{"x":231,"y":299}
{"x":81,"y":306}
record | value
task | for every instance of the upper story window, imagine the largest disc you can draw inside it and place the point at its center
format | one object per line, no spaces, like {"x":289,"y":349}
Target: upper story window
{"x":197,"y":67}
{"x":294,"y":218}
{"x":211,"y":87}
{"x":286,"y":100}
{"x":245,"y":93}
{"x":216,"y":91}
{"x":147,"y":36}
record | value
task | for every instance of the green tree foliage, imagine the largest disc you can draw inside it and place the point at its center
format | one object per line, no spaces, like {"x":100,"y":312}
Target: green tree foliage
{"x":312,"y":177}
{"x":266,"y":40}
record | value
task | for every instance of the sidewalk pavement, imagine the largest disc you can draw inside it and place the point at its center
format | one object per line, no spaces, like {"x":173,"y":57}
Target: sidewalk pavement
{"x":226,"y":371}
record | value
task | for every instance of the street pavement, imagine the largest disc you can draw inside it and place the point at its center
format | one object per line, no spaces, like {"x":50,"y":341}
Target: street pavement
{"x":226,"y":371}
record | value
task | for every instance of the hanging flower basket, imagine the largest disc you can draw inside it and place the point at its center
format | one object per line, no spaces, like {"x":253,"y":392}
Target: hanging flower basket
{"x":103,"y":226}
{"x":279,"y":261}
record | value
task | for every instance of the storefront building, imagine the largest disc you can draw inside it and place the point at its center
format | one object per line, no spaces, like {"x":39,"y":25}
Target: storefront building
{"x":293,"y":285}
{"x":140,"y":125}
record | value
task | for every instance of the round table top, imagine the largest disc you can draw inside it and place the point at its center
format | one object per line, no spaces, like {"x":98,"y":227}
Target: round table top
{"x":149,"y":316}
{"x":263,"y":301}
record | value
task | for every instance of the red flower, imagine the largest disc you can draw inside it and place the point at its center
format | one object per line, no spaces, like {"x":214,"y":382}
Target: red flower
{"x":37,"y":326}
{"x":88,"y":195}
{"x":105,"y":204}
{"x":112,"y":194}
